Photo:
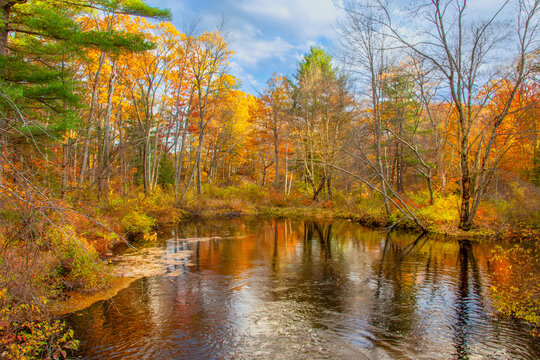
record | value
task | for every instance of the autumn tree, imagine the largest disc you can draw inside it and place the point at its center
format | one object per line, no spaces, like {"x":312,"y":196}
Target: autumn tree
{"x":146,"y":78}
{"x":321,"y":116}
{"x":366,"y":52}
{"x":37,"y":38}
{"x":385,"y":101}
{"x":407,"y":117}
{"x":41,"y":104}
{"x":210,"y":80}
{"x":276,"y":99}
{"x":460,"y":50}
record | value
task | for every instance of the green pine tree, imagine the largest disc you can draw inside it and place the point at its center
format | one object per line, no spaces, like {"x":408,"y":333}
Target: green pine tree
{"x":39,"y":38}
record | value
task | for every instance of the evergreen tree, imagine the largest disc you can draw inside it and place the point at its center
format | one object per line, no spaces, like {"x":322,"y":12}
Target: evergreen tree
{"x":38,"y":38}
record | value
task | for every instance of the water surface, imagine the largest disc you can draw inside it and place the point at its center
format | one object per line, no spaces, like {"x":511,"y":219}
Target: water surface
{"x":280,"y":289}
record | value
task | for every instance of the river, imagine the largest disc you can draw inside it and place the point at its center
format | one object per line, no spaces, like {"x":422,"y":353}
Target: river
{"x":288,"y":289}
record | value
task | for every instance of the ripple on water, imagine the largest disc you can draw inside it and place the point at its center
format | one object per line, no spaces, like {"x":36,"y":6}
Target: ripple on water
{"x":264,"y":295}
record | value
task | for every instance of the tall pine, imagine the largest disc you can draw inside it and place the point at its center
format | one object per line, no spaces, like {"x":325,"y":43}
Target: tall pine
{"x":38,"y":38}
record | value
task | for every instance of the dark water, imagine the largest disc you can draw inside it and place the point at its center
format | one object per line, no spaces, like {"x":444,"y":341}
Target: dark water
{"x":307,"y":290}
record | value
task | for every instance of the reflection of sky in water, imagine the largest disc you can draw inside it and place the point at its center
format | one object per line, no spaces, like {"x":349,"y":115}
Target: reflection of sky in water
{"x":282,"y":290}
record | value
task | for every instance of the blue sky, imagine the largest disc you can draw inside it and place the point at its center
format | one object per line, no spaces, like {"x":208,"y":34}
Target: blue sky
{"x":270,"y":36}
{"x":267,"y":36}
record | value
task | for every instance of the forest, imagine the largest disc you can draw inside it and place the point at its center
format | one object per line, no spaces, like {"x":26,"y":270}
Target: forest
{"x":114,"y":123}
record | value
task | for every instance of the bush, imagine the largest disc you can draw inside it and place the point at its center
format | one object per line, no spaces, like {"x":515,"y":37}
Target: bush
{"x":158,"y":206}
{"x":137,"y":223}
{"x":248,"y":191}
{"x":22,"y":338}
{"x":443,"y":211}
{"x":521,"y":209}
{"x":277,"y":199}
{"x":303,"y":190}
{"x":75,"y":264}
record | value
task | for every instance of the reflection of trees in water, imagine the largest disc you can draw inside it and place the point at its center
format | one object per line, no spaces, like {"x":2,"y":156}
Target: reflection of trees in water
{"x":275,"y":253}
{"x":460,"y":327}
{"x":323,"y":280}
{"x":468,"y":302}
{"x":127,"y":316}
{"x":432,"y":272}
{"x":315,"y":270}
{"x":396,"y":291}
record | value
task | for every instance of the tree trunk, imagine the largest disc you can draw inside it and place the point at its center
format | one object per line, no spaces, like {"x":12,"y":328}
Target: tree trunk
{"x":317,"y":190}
{"x":378,"y":134}
{"x":180,"y":163}
{"x":93,"y":103}
{"x":154,"y":170}
{"x":430,"y":187}
{"x":263,"y":181}
{"x":329,"y":187}
{"x":123,"y":165}
{"x":65,"y":159}
{"x":147,"y":162}
{"x":104,"y":170}
{"x":381,"y":171}
{"x":198,"y":163}
{"x":401,"y":169}
{"x":5,"y":7}
{"x":465,"y":221}
{"x":85,"y":155}
{"x":276,"y":149}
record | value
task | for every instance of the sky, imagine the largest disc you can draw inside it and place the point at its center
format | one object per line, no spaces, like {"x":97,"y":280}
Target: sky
{"x":270,"y":36}
{"x":266,"y":36}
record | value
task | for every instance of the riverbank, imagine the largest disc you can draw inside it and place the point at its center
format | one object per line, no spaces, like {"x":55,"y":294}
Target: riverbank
{"x":483,"y":229}
{"x":138,"y":215}
{"x":495,"y":219}
{"x":126,"y":267}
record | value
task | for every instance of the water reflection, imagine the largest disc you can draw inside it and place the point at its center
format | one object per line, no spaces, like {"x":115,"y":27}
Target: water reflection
{"x":307,"y":290}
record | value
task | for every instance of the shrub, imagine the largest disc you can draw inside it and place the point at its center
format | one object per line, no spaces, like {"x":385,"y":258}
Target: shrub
{"x":303,"y":190}
{"x":166,"y":171}
{"x":340,"y":199}
{"x":137,"y":223}
{"x":277,"y":199}
{"x":521,"y":209}
{"x":75,"y":264}
{"x":158,"y":205}
{"x":22,"y":338}
{"x":443,"y":211}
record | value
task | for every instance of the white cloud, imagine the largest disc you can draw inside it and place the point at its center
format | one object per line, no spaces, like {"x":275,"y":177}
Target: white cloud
{"x":238,"y":71}
{"x":268,"y":9}
{"x":279,"y":31}
{"x":250,"y":50}
{"x":309,"y":18}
